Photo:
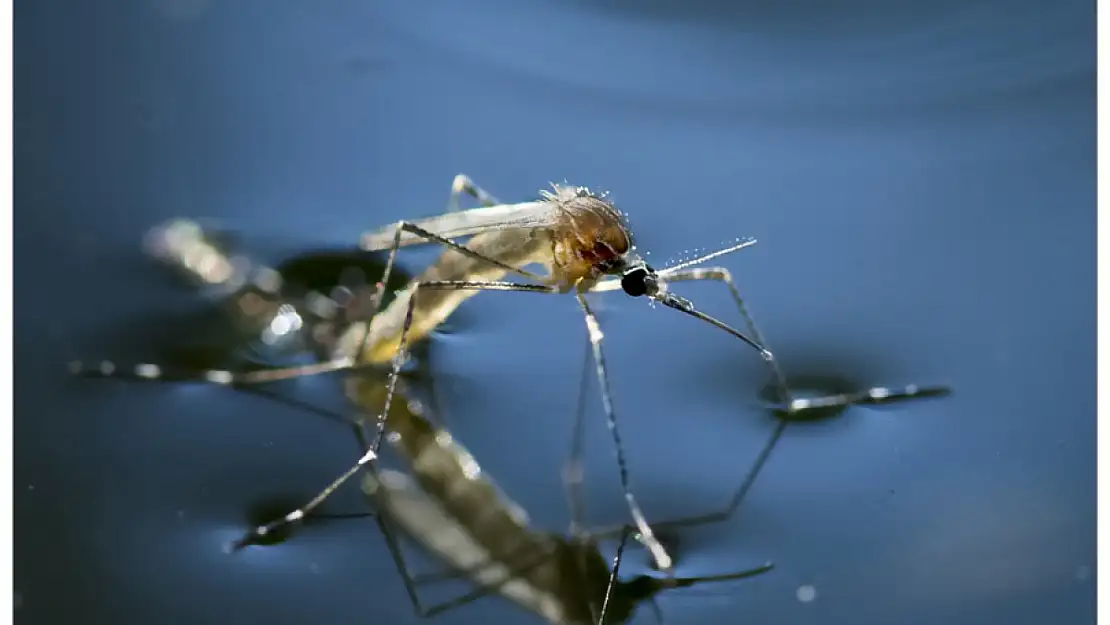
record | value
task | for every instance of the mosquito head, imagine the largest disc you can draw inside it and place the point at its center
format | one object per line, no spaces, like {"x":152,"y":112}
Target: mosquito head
{"x":640,"y":279}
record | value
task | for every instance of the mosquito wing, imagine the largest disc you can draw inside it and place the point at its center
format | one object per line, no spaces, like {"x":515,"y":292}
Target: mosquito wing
{"x":465,"y":223}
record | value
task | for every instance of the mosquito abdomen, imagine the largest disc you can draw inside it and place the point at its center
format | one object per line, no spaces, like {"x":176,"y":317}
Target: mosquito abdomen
{"x":515,"y":247}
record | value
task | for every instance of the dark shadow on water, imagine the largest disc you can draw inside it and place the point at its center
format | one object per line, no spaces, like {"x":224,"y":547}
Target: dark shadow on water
{"x":816,"y":385}
{"x":811,"y":385}
{"x":203,"y":333}
{"x":821,"y":371}
{"x":265,"y":510}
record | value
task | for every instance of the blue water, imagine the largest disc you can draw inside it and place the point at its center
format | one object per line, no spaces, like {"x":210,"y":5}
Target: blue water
{"x":919,"y":175}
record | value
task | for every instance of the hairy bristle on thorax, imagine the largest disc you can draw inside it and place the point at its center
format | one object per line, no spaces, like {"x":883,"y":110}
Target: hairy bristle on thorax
{"x":591,"y":235}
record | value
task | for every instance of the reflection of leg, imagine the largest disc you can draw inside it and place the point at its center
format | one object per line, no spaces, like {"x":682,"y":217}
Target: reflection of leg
{"x":391,"y":542}
{"x":727,"y":512}
{"x":412,"y":581}
{"x":484,"y":590}
{"x":646,"y":536}
{"x":645,"y":587}
{"x":614,"y":575}
{"x":402,"y":342}
{"x":573,"y":471}
{"x":435,"y":531}
{"x":223,"y":377}
{"x":371,"y":454}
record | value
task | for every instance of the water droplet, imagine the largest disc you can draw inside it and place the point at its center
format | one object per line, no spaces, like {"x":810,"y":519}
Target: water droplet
{"x":806,"y":593}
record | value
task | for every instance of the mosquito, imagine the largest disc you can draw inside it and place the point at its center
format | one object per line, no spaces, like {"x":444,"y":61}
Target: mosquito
{"x":455,"y":511}
{"x":446,"y":473}
{"x":579,"y":236}
{"x":585,"y":244}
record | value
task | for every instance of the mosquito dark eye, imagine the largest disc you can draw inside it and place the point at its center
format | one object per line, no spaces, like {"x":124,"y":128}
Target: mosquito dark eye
{"x":635,"y":282}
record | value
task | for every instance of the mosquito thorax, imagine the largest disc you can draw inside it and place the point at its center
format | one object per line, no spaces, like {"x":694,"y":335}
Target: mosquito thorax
{"x":589,"y":237}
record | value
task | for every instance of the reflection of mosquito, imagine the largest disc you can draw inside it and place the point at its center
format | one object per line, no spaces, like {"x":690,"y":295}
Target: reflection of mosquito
{"x":304,"y":303}
{"x":458,"y":514}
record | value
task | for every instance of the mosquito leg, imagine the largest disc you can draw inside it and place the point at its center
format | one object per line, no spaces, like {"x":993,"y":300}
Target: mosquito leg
{"x":788,"y":403}
{"x":792,"y":405}
{"x":148,"y":371}
{"x":398,"y":360}
{"x":357,"y":340}
{"x":399,"y":355}
{"x":463,"y":184}
{"x":465,"y":251}
{"x":299,"y":514}
{"x":721,"y":274}
{"x":391,"y":542}
{"x":432,"y":237}
{"x":646,"y":536}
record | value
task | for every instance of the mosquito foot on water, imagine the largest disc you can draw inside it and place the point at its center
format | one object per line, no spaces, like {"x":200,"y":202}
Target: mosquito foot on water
{"x":262,"y":533}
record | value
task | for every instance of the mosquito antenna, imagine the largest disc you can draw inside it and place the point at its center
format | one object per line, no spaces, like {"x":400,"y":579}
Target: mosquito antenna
{"x":684,"y":305}
{"x":739,"y":245}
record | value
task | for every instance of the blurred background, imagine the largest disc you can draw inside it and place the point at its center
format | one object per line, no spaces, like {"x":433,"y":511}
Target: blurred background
{"x":919,"y":175}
